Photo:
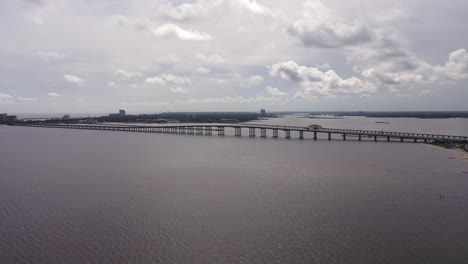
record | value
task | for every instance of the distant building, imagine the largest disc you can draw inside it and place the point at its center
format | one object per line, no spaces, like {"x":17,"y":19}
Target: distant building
{"x":262,"y":112}
{"x":121,"y":113}
{"x":66,"y":117}
{"x":4,"y":118}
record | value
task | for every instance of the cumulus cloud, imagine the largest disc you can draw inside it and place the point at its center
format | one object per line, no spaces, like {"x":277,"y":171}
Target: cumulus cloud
{"x":10,"y":99}
{"x":73,"y":79}
{"x":202,"y":70}
{"x":187,"y":11}
{"x":178,"y":90}
{"x":174,"y":31}
{"x":255,"y":80}
{"x":320,"y":27}
{"x":53,"y":94}
{"x":209,"y":58}
{"x":168,"y":79}
{"x":6,"y":98}
{"x":50,"y":56}
{"x":27,"y":99}
{"x":274,"y":91}
{"x":126,"y":75}
{"x":314,"y":81}
{"x":457,"y":65}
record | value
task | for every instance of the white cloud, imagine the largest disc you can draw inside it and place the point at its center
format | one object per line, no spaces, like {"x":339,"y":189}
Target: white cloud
{"x":10,"y":99}
{"x":6,"y":99}
{"x":457,"y":65}
{"x":50,"y":56}
{"x":168,"y":79}
{"x":320,"y":27}
{"x":174,"y":31}
{"x":178,"y":90}
{"x":187,"y":11}
{"x":314,"y":81}
{"x":27,"y":99}
{"x":126,"y":75}
{"x":275,"y":91}
{"x":73,"y":79}
{"x":202,"y":70}
{"x":209,"y":58}
{"x":5,"y":96}
{"x":255,"y":80}
{"x":252,"y":6}
{"x":53,"y":94}
{"x":110,"y":84}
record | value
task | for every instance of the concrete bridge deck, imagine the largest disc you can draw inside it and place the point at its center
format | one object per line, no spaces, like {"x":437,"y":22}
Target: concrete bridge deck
{"x":209,"y":129}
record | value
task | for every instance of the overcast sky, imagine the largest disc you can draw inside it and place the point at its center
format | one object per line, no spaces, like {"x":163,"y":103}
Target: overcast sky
{"x":230,"y":55}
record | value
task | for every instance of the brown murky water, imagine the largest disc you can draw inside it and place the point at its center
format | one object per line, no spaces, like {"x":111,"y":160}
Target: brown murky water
{"x":74,"y":196}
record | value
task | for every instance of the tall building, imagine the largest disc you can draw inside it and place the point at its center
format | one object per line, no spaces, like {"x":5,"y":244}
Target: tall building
{"x":4,"y":118}
{"x":121,"y":112}
{"x":262,"y":112}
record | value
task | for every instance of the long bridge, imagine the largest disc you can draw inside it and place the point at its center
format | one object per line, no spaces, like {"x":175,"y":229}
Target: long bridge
{"x":219,"y":129}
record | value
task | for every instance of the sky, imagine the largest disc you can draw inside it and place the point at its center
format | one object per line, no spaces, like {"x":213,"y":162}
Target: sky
{"x":85,"y":56}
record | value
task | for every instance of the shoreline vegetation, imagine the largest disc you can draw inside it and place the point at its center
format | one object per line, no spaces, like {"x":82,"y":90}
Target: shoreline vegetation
{"x":162,"y":118}
{"x":463,"y":147}
{"x":391,"y":114}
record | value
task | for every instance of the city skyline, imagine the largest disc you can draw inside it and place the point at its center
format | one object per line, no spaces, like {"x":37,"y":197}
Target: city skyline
{"x":232,"y":55}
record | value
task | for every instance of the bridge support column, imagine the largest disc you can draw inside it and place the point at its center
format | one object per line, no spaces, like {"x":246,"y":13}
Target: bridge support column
{"x":262,"y":132}
{"x":344,"y":136}
{"x":238,"y":132}
{"x":275,"y":133}
{"x":401,"y":139}
{"x":359,"y":137}
{"x":251,"y":132}
{"x":191,"y":130}
{"x":220,"y":131}
{"x":208,"y":130}
{"x":199,"y":130}
{"x":388,"y":139}
{"x":315,"y":135}
{"x":301,"y":134}
{"x":375,"y":138}
{"x":329,"y":136}
{"x":415,"y":140}
{"x":425,"y":140}
{"x":288,"y":133}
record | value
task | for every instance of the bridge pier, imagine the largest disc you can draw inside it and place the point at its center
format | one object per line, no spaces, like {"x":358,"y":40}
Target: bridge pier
{"x":237,"y":131}
{"x":415,"y":140}
{"x":288,"y":133}
{"x":329,"y":136}
{"x":359,"y":137}
{"x":301,"y":134}
{"x":388,"y":138}
{"x":344,"y":136}
{"x":251,"y":132}
{"x":275,"y":133}
{"x":262,"y":132}
{"x":315,"y":135}
{"x":401,"y":139}
{"x":208,"y":130}
{"x":191,"y":130}
{"x":220,"y":131}
{"x":375,"y":138}
{"x":199,"y":130}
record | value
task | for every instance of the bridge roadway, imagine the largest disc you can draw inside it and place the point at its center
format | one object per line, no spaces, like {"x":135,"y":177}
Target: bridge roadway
{"x":208,"y":129}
